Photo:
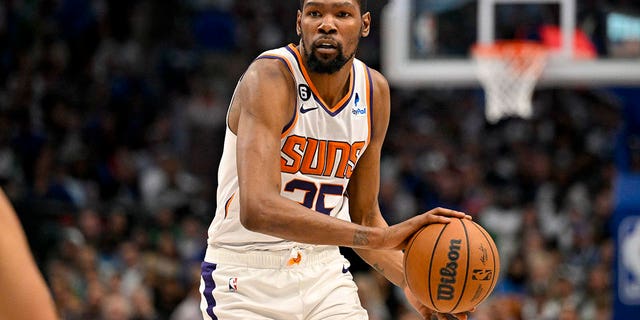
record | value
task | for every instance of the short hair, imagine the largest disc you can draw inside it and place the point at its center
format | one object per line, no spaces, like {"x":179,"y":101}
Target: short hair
{"x":362,"y":3}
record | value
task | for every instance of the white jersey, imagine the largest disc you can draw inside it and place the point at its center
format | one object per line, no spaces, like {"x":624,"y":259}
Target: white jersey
{"x":319,"y":149}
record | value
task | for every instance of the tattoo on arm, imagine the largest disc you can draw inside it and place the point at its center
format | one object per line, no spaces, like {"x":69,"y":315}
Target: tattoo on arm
{"x":378,"y":267}
{"x":361,"y":237}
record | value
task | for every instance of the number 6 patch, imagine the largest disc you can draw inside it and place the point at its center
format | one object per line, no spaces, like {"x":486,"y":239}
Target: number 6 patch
{"x":304,"y":92}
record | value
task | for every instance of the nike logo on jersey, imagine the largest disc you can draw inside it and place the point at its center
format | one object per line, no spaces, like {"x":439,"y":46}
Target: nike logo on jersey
{"x":303,"y":110}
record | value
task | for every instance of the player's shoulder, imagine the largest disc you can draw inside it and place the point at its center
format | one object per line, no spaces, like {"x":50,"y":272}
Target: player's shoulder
{"x":380,"y":83}
{"x":268,"y":74}
{"x":274,"y":60}
{"x":271,"y":69}
{"x":377,"y":78}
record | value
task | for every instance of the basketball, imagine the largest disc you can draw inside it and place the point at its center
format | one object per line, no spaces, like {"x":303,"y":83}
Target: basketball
{"x":451,"y":268}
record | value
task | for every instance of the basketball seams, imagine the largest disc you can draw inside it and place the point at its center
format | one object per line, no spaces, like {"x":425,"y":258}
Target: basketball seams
{"x":435,"y":246}
{"x":493,"y":256}
{"x":424,"y":254}
{"x":466,"y":275}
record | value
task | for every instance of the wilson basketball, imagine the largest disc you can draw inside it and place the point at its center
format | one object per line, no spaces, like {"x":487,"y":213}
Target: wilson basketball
{"x":452,"y":267}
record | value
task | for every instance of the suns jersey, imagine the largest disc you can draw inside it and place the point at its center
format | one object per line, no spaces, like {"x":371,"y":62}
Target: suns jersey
{"x":319,"y":149}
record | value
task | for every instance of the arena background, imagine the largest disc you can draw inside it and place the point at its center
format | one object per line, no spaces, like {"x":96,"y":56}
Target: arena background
{"x":111,"y":127}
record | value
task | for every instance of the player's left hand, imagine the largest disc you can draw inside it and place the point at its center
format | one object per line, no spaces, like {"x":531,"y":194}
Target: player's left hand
{"x":429,"y":314}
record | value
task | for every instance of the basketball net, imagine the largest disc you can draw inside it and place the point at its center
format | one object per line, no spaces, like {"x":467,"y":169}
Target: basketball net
{"x":508,"y":72}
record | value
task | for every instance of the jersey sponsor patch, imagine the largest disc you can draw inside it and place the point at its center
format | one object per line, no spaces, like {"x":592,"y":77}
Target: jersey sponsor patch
{"x":357,"y":111}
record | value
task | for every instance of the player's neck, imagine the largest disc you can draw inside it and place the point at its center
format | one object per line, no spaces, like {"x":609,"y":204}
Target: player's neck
{"x":332,"y":87}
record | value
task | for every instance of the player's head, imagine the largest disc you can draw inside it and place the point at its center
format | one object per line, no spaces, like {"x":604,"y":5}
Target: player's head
{"x":330,"y":31}
{"x":361,"y":3}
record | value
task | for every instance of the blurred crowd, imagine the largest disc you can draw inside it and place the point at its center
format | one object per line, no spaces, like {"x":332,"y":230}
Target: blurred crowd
{"x":112,"y":117}
{"x":541,"y":187}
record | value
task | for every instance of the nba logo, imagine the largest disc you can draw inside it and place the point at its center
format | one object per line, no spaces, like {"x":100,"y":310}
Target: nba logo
{"x":629,"y":261}
{"x":233,"y":284}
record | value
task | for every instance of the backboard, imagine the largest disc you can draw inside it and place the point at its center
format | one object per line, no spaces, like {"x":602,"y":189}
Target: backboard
{"x":427,"y":43}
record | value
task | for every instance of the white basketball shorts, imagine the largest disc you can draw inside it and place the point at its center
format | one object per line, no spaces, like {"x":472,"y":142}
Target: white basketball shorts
{"x":301,"y":284}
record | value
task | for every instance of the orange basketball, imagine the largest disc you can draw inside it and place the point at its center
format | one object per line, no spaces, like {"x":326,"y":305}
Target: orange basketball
{"x":452,"y":267}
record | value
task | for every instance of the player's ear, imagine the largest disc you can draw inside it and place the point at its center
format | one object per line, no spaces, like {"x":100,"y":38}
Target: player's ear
{"x":366,"y":24}
{"x":298,"y":27}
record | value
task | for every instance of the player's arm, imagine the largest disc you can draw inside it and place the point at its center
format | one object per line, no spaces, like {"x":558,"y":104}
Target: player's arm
{"x":24,"y":292}
{"x":264,"y":103}
{"x":262,"y":106}
{"x":363,"y":199}
{"x":365,"y":184}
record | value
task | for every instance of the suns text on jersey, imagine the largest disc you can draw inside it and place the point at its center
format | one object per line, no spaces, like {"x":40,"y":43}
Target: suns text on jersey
{"x":320,"y":157}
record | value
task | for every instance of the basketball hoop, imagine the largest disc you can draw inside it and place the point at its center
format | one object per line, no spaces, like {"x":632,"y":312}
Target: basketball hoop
{"x":508,"y":72}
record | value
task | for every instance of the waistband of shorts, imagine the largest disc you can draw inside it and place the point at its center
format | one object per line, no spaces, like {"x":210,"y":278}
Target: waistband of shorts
{"x":295,"y":257}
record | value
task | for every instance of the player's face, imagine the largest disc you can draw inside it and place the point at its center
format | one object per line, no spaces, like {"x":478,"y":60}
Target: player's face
{"x":330,"y":31}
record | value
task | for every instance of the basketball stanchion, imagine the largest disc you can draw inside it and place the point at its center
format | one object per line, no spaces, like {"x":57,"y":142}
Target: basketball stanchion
{"x":508,"y":71}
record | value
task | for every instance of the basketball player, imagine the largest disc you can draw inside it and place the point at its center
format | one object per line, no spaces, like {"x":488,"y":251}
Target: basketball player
{"x":24,"y":292}
{"x":299,"y":177}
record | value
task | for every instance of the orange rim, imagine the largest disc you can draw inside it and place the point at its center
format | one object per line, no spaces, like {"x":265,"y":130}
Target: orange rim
{"x":509,"y":47}
{"x":521,"y":53}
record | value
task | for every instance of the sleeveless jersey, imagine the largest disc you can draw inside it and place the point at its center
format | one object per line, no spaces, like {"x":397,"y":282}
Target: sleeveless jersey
{"x":319,"y":149}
